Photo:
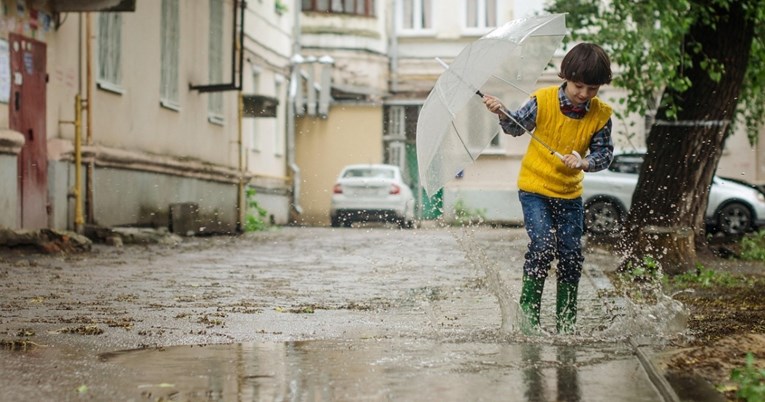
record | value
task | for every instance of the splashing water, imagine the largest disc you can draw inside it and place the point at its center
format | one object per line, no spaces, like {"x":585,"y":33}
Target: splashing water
{"x":509,"y":309}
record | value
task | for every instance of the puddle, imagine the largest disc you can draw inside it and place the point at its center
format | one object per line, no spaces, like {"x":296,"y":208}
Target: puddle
{"x":378,"y":370}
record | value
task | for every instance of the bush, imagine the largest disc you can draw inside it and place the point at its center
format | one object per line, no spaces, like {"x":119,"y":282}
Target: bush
{"x":750,"y":381}
{"x":255,"y":220}
{"x":753,"y":246}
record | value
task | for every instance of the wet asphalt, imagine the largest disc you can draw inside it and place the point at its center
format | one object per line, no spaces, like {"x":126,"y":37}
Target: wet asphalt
{"x":316,"y":314}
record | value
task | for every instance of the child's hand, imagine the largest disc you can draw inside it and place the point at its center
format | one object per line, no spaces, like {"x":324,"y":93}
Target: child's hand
{"x":493,"y":104}
{"x":575,"y":162}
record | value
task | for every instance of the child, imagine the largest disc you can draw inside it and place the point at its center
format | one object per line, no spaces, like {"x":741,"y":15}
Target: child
{"x":568,"y":118}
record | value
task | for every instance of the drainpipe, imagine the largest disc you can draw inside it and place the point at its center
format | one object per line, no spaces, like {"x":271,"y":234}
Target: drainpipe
{"x":78,"y":219}
{"x":76,"y":192}
{"x":295,"y":62}
{"x":240,"y":194}
{"x":89,"y":185}
{"x":393,"y":53}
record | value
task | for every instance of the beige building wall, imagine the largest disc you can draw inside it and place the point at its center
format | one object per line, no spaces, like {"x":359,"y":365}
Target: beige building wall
{"x":148,"y":155}
{"x":351,"y":134}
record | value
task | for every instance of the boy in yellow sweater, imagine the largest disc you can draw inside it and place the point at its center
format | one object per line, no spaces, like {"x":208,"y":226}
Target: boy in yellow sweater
{"x":568,"y":118}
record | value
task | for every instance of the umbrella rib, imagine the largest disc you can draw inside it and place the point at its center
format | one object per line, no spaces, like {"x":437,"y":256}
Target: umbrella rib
{"x":462,"y":141}
{"x":511,"y":84}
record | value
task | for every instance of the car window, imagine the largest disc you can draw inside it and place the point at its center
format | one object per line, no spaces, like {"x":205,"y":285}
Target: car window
{"x":626,"y":164}
{"x":369,"y":173}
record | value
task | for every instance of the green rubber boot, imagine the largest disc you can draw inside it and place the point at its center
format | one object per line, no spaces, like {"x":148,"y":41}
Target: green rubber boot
{"x":531,"y":302}
{"x":565,"y":308}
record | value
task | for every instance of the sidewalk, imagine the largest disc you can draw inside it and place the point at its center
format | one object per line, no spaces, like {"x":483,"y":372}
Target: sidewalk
{"x":342,"y":314}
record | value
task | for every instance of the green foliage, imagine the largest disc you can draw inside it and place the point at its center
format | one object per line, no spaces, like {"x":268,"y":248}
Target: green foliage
{"x":753,"y":246}
{"x":647,"y":270}
{"x":280,"y":7}
{"x":255,"y":219}
{"x":640,"y":280}
{"x":465,"y":216}
{"x":706,"y":277}
{"x":750,"y":381}
{"x":649,"y":40}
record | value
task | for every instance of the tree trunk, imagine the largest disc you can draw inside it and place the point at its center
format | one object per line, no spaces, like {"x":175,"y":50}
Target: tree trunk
{"x":666,"y":220}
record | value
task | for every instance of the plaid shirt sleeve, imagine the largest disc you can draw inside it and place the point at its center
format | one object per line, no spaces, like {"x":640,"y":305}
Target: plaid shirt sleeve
{"x":525,"y":119}
{"x":601,"y":149}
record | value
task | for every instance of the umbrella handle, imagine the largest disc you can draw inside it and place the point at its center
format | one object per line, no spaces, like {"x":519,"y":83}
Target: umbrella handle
{"x":578,"y":157}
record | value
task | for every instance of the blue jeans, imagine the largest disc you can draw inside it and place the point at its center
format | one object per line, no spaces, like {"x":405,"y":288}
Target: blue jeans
{"x":555,"y":227}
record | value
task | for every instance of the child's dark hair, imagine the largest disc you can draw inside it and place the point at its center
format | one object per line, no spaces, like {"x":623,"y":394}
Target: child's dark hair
{"x":587,"y":63}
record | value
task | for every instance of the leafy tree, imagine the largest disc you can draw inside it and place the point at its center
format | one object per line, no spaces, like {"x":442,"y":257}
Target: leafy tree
{"x":699,"y":65}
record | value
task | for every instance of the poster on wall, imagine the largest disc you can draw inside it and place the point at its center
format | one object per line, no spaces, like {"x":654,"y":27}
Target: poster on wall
{"x":5,"y":72}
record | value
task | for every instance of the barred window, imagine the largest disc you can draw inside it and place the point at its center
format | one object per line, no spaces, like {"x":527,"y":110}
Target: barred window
{"x":356,"y":7}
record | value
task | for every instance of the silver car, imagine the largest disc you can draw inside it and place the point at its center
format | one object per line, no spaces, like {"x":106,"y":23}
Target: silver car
{"x":733,"y":208}
{"x":371,"y":193}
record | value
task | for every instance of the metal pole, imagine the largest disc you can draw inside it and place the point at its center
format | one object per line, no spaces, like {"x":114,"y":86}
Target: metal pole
{"x":240,"y":194}
{"x":78,"y":219}
{"x":89,"y":214}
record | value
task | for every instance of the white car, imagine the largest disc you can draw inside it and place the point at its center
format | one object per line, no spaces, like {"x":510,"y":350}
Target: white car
{"x":371,"y":193}
{"x":733,"y":208}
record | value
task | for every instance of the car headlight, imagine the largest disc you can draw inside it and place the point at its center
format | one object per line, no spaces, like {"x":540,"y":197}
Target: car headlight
{"x":761,"y":197}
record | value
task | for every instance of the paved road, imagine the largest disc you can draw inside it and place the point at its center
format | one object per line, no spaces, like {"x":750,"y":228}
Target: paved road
{"x":317,"y":314}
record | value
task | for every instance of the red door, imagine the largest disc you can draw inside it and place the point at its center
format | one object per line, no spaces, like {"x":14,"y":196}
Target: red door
{"x":27,"y":116}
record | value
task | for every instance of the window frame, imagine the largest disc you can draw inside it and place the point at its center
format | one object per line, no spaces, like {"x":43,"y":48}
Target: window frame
{"x":170,"y":32}
{"x":421,"y":17}
{"x":215,"y":61}
{"x":110,"y":52}
{"x":483,"y":23}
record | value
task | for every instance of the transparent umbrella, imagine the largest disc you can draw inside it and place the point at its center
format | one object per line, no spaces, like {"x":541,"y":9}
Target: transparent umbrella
{"x":454,"y":126}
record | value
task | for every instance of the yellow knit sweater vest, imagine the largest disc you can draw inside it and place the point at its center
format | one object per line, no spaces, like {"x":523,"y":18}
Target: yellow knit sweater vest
{"x":542,"y":172}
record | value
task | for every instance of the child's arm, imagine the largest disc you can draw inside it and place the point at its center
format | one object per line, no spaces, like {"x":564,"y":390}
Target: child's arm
{"x":601,"y":150}
{"x":526,"y":116}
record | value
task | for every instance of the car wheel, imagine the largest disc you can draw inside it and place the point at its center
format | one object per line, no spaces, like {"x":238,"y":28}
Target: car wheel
{"x":734,"y":219}
{"x":603,"y":217}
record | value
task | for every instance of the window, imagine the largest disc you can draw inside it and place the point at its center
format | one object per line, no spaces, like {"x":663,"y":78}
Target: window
{"x":480,"y":14}
{"x":415,"y":15}
{"x":356,"y":7}
{"x":170,"y":30}
{"x":110,"y":51}
{"x":215,"y":60}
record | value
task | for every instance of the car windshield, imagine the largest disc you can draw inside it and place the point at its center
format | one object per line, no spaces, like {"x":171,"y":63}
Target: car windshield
{"x":369,"y":173}
{"x":627,"y":164}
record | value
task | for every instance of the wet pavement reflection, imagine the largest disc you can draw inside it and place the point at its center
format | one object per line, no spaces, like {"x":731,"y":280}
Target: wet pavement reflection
{"x":380,"y":370}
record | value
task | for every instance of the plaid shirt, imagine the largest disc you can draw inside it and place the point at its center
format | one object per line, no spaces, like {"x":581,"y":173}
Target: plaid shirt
{"x":601,"y":144}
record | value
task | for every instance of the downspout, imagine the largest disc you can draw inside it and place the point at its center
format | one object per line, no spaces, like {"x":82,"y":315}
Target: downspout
{"x":90,"y":170}
{"x":393,"y":55}
{"x":241,"y":196}
{"x":78,"y":219}
{"x":291,"y":112}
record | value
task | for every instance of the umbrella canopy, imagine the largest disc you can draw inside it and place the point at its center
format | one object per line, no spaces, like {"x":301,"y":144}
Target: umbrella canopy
{"x":454,"y":126}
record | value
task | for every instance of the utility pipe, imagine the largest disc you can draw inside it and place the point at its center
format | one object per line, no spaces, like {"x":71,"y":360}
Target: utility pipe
{"x":240,"y":193}
{"x":89,"y":208}
{"x":78,"y":219}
